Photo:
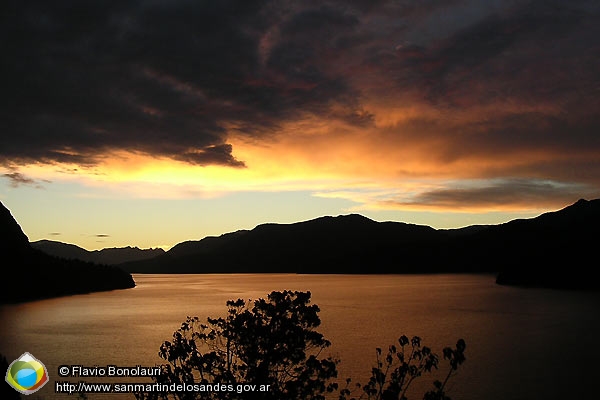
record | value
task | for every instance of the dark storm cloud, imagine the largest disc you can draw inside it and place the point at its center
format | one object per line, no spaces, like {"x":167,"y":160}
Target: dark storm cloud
{"x":565,"y":137}
{"x":163,"y":78}
{"x":526,"y":49}
{"x":308,"y":47}
{"x":500,"y":192}
{"x":527,"y":76}
{"x":210,"y":155}
{"x":78,"y":81}
{"x":170,"y":78}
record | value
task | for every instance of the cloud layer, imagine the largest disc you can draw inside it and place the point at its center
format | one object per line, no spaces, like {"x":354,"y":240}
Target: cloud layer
{"x":506,"y":90}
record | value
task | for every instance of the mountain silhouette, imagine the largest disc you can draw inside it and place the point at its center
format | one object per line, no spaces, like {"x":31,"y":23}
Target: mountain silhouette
{"x":109,"y":256}
{"x":31,"y":274}
{"x":12,"y":239}
{"x":554,"y":249}
{"x":344,"y":244}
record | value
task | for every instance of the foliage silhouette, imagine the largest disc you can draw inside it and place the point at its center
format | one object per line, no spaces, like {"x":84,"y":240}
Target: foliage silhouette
{"x":272,"y":344}
{"x":393,"y":375}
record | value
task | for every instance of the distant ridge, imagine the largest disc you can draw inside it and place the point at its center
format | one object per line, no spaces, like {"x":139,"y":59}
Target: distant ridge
{"x":30,"y":274}
{"x":109,"y":256}
{"x":349,"y":244}
{"x":555,"y":249}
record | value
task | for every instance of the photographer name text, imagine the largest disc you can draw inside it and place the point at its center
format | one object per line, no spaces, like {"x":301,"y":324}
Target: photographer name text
{"x":108,"y":371}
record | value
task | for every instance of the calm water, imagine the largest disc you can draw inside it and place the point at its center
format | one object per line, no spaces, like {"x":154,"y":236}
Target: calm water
{"x":521,"y":343}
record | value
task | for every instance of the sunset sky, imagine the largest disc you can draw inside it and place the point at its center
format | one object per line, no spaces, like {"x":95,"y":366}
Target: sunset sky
{"x":147,"y":123}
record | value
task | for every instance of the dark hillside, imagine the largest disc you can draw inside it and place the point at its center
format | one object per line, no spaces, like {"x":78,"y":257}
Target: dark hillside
{"x":30,"y":274}
{"x":522,"y":251}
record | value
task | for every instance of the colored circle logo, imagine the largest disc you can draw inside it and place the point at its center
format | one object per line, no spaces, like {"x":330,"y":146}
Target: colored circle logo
{"x":26,"y":374}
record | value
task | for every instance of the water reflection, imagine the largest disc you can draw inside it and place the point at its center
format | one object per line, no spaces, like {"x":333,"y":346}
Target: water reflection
{"x":515,"y":338}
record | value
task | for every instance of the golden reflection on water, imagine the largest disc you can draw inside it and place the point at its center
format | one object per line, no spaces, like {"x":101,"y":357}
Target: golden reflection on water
{"x":508,"y":331}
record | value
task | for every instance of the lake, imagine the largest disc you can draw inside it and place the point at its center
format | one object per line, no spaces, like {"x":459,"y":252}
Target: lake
{"x":521,"y":343}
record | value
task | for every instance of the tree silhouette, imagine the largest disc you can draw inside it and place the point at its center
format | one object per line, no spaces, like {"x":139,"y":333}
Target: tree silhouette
{"x":265,"y":350}
{"x":269,"y":349}
{"x":393,"y":375}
